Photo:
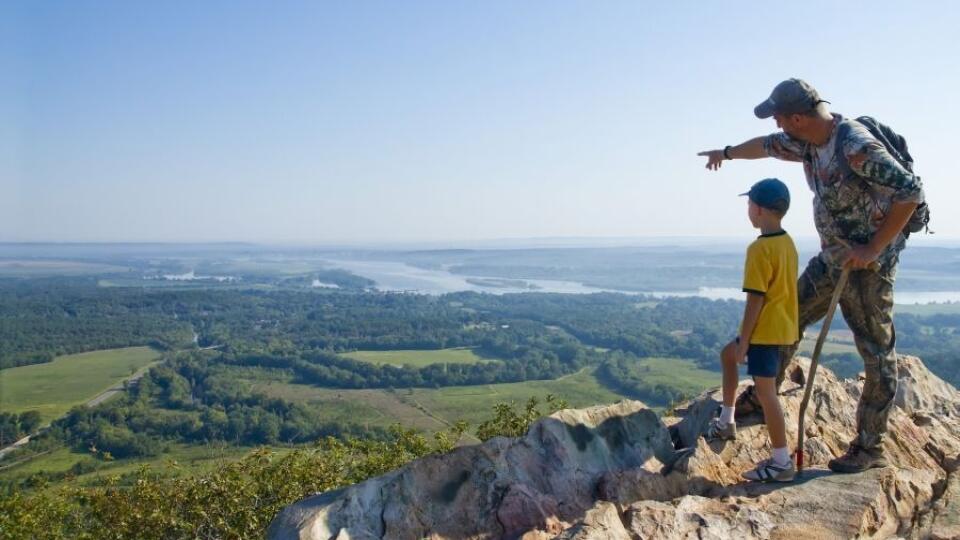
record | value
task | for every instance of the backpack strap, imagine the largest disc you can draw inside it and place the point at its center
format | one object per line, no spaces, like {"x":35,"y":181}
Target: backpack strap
{"x":843,"y":131}
{"x":898,"y":151}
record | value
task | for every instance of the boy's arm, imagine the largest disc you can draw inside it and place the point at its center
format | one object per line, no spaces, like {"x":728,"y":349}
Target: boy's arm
{"x":751,"y":314}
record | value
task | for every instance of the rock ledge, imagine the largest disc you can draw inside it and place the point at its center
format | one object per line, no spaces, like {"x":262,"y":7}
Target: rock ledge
{"x":620,"y":471}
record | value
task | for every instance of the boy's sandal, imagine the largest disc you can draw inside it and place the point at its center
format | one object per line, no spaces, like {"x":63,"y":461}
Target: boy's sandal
{"x":768,"y":471}
{"x":718,"y":431}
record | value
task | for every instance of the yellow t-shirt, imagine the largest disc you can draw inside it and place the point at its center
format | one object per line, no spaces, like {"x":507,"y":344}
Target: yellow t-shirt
{"x":771,"y":270}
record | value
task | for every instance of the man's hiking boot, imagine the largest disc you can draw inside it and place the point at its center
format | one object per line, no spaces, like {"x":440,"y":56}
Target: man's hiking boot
{"x":718,"y":431}
{"x":747,"y":403}
{"x":858,"y":459}
{"x":769,"y":470}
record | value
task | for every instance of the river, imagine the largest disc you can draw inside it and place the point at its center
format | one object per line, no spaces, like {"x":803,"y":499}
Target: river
{"x":398,"y":276}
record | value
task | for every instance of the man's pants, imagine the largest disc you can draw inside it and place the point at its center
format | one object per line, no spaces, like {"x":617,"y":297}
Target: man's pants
{"x":867,"y":306}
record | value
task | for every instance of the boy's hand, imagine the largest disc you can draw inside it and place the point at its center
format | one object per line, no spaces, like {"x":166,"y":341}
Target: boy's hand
{"x":741,"y":351}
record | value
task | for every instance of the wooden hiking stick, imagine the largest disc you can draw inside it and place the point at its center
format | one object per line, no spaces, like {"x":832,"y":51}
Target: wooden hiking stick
{"x":841,"y":284}
{"x":815,"y":359}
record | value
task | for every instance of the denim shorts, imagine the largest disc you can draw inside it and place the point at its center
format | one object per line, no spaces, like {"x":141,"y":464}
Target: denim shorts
{"x":763,"y":360}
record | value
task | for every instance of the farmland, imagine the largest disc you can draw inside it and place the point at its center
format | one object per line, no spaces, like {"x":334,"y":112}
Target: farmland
{"x":52,"y":388}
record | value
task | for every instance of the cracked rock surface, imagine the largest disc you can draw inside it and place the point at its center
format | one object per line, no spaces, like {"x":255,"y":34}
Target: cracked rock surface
{"x":620,"y":471}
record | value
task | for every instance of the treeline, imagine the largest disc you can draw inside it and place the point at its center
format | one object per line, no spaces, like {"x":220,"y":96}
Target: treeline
{"x":190,"y":400}
{"x":291,"y":322}
{"x":74,"y":316}
{"x":523,"y":351}
{"x":44,"y":318}
{"x":14,"y":427}
{"x":934,"y":338}
{"x":40,"y":319}
{"x":238,"y":499}
{"x":334,"y":276}
{"x":694,"y":328}
{"x":624,"y":373}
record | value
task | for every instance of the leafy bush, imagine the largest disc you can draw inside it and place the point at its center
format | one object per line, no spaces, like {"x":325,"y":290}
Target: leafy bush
{"x":239,"y":499}
{"x":509,"y":422}
{"x":236,"y":501}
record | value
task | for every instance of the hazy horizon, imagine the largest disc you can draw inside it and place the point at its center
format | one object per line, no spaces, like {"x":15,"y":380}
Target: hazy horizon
{"x":809,"y":242}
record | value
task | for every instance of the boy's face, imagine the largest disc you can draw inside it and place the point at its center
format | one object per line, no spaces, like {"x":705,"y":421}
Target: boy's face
{"x":753,"y":212}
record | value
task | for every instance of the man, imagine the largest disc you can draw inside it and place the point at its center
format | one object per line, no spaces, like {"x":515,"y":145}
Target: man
{"x":863,"y":199}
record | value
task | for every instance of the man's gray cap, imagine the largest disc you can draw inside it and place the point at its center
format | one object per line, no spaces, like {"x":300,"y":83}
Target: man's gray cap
{"x":792,"y":96}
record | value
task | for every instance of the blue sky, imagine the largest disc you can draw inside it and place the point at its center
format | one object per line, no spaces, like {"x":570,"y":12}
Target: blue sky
{"x":432,"y":121}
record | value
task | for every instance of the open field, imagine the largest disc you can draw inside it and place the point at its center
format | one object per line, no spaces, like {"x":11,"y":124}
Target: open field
{"x":684,"y":375}
{"x":949,"y":308}
{"x":427,"y":409}
{"x":139,"y":282}
{"x":369,"y":408}
{"x":418,"y":358}
{"x":51,"y":267}
{"x":475,"y":403}
{"x":188,"y":459}
{"x":831,"y":346}
{"x":433,"y":409}
{"x":53,"y":388}
{"x":263,"y":266}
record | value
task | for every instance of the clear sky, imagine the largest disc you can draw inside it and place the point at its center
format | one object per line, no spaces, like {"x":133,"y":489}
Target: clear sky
{"x":452,"y":120}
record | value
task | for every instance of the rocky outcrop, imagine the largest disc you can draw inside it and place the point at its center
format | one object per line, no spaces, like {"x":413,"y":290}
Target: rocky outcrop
{"x":620,"y":471}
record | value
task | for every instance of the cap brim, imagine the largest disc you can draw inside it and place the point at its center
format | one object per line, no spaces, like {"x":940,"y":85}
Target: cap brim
{"x":765,"y":109}
{"x":743,"y":194}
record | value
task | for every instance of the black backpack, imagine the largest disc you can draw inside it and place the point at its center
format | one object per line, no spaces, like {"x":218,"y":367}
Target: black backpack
{"x":896,"y":145}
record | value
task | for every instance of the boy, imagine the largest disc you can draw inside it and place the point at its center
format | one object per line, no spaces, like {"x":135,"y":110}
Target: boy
{"x":769,"y":322}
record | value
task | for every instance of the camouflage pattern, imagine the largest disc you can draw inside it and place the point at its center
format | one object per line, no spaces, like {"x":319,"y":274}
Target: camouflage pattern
{"x":849,"y":206}
{"x":867,"y":307}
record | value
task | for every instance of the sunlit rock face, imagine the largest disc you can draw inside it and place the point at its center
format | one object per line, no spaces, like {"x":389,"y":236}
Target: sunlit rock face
{"x":620,"y":471}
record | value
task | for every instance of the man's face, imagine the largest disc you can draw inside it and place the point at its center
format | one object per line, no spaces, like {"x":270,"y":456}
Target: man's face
{"x":786,"y":123}
{"x":791,"y":124}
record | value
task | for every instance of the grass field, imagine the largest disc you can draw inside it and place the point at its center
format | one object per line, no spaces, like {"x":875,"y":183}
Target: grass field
{"x":951,"y":308}
{"x":428,"y":409}
{"x":141,"y":283}
{"x":187,"y":458}
{"x":418,"y":358}
{"x":263,"y":266}
{"x":53,"y":388}
{"x":51,"y":267}
{"x":475,"y":403}
{"x":684,"y":375}
{"x":434,"y":409}
{"x":830,"y":346}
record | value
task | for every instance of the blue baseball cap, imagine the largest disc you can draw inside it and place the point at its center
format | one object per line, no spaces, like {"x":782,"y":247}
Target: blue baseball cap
{"x":770,"y":193}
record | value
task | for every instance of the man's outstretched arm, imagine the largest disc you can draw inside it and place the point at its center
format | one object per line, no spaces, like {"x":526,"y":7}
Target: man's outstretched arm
{"x":752,"y":149}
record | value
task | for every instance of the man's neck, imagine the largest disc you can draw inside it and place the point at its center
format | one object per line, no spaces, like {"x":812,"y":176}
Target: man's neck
{"x":821,"y":131}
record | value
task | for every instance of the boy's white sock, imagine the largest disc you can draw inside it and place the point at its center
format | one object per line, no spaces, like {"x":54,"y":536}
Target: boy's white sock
{"x":781,"y":456}
{"x":726,"y":415}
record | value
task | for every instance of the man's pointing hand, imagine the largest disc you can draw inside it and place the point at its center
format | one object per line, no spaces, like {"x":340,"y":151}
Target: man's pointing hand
{"x":714,"y":158}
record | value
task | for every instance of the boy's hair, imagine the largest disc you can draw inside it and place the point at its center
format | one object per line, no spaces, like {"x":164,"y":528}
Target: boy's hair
{"x":779,"y":212}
